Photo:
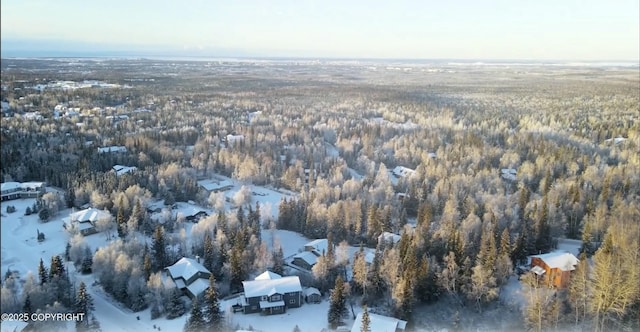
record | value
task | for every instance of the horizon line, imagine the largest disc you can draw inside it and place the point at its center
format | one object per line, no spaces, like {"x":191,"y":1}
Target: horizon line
{"x":168,"y":56}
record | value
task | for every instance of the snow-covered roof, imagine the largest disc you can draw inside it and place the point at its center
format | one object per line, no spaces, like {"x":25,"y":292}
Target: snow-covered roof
{"x":198,"y":286}
{"x":186,"y":268}
{"x":319,"y":246}
{"x":268,"y":275}
{"x":562,"y":260}
{"x":538,"y":270}
{"x":389,"y":237}
{"x":10,"y":186}
{"x":308,"y":257}
{"x":311,"y":291}
{"x":90,"y":214}
{"x":214,"y":185}
{"x":369,"y":256}
{"x":379,"y":323}
{"x":264,"y":287}
{"x":401,"y":171}
{"x":121,"y":169}
{"x":112,"y":149}
{"x":509,"y":173}
{"x":20,"y":185}
{"x":234,"y":138}
{"x":616,"y":140}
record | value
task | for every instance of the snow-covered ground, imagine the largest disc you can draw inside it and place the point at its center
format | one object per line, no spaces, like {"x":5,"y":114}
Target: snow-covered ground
{"x":309,"y":317}
{"x":22,"y":252}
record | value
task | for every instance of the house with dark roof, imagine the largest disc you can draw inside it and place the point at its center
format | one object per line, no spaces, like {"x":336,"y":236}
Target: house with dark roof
{"x":270,"y":293}
{"x":189,"y":276}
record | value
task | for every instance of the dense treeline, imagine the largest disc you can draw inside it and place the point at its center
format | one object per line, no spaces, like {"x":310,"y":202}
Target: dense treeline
{"x":573,"y":141}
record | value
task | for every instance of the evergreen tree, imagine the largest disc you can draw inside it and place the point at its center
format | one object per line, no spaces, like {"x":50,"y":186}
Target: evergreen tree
{"x":236,"y":264}
{"x":505,"y":243}
{"x":137,"y":217}
{"x":27,"y":308}
{"x":44,"y":214}
{"x":67,"y":249}
{"x":376,"y":283}
{"x":543,"y":229}
{"x":587,"y":246}
{"x":159,"y":249}
{"x":359,"y":269}
{"x":337,"y":304}
{"x":195,"y":322}
{"x":278,"y":261}
{"x":146,"y":262}
{"x":404,"y":298}
{"x":488,"y":253}
{"x":87,"y":262}
{"x":70,"y":197}
{"x":213,"y":316}
{"x":175,"y":307}
{"x":374,"y":223}
{"x":42,"y":272}
{"x":84,"y":304}
{"x":121,"y":222}
{"x":56,"y":269}
{"x":209,"y":252}
{"x":365,"y":325}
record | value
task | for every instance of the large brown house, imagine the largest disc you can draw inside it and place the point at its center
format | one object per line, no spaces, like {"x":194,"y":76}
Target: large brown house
{"x":554,"y":267}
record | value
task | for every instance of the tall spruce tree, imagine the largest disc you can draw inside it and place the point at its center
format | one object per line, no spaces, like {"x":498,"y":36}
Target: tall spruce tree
{"x":84,"y":304}
{"x":159,"y":249}
{"x":175,"y":307}
{"x":337,"y":303}
{"x":195,"y":322}
{"x":278,"y":261}
{"x":42,"y":273}
{"x":212,"y":315}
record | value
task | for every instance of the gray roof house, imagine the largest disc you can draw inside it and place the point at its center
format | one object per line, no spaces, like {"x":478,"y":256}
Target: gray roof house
{"x":270,"y":293}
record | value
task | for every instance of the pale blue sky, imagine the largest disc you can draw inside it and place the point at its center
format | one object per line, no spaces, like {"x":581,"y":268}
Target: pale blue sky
{"x":492,"y":29}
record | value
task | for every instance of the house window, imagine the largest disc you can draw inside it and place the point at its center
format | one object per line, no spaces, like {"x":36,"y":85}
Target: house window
{"x":276,"y":297}
{"x":254,"y":307}
{"x":264,"y":298}
{"x":292,"y":301}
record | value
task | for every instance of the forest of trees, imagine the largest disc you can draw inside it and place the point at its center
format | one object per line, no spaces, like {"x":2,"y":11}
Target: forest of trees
{"x":464,"y":228}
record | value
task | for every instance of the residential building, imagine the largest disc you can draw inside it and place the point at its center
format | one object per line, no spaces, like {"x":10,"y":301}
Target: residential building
{"x":389,"y":238}
{"x":215,"y":185}
{"x":401,"y":171}
{"x":312,"y":250}
{"x":379,"y":323}
{"x":554,"y":267}
{"x":16,"y":190}
{"x":271,"y":293}
{"x":189,"y":276}
{"x":312,"y":295}
{"x":84,"y":221}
